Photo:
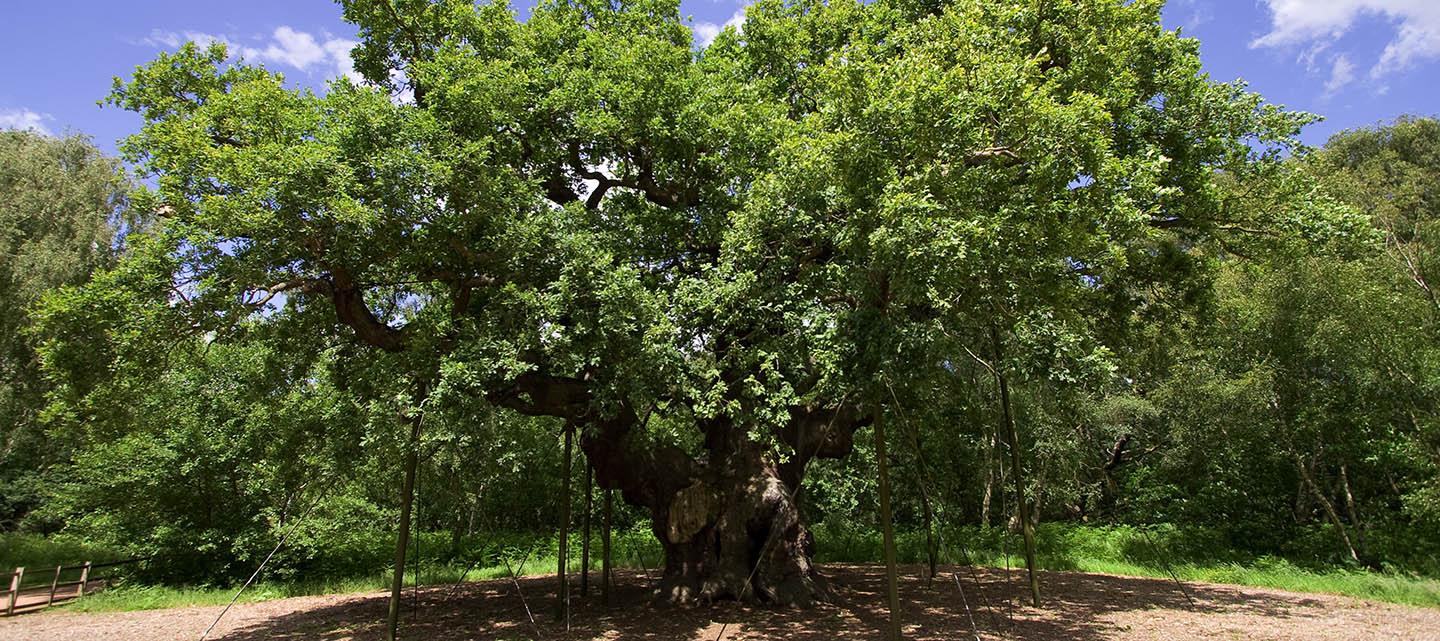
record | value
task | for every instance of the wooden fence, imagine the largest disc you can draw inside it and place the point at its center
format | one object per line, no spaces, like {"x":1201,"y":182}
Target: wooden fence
{"x":45,"y":586}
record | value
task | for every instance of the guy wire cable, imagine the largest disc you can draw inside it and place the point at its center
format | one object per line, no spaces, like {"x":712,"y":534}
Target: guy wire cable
{"x":922,"y":472}
{"x":284,"y":538}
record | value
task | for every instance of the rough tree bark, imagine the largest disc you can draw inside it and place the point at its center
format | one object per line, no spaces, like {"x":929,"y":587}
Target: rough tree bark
{"x":727,"y":519}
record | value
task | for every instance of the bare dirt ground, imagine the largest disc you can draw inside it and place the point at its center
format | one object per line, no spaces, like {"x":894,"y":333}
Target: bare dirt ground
{"x":1077,"y":607}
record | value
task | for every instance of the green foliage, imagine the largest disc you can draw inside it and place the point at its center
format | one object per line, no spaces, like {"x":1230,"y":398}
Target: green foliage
{"x":786,"y":214}
{"x":62,"y":212}
{"x":34,"y":551}
{"x":844,"y":204}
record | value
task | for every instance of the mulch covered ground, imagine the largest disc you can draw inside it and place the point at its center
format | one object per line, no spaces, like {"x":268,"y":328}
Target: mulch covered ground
{"x":1077,"y":607}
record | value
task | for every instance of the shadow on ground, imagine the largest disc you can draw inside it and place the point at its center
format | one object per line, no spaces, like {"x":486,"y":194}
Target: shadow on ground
{"x":1078,"y":607}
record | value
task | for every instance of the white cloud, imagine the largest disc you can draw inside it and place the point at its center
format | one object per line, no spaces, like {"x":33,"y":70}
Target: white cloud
{"x":1414,"y":42}
{"x":158,"y":38}
{"x":295,"y":48}
{"x":705,"y":32}
{"x":287,"y":47}
{"x":1308,"y":55}
{"x":1319,"y":23}
{"x":339,"y":50}
{"x":1200,"y":12}
{"x":24,"y":119}
{"x":173,"y":39}
{"x":1342,"y":72}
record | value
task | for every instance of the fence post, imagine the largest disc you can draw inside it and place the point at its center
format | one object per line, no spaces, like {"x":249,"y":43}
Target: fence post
{"x":14,"y":590}
{"x":84,"y":577}
{"x":53,"y":583}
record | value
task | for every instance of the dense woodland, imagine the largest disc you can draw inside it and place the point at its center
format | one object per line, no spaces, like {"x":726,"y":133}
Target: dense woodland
{"x":721,"y":271}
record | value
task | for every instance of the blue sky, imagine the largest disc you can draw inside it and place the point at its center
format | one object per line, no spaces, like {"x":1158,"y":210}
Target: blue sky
{"x":1357,"y":62}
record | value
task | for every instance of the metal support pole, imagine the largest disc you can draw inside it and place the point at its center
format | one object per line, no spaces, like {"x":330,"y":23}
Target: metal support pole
{"x":892,"y":580}
{"x":585,"y":535}
{"x":605,"y":549}
{"x":402,"y":543}
{"x":564,"y":589}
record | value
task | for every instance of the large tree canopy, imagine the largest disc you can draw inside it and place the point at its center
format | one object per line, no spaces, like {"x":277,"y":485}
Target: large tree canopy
{"x":582,"y":216}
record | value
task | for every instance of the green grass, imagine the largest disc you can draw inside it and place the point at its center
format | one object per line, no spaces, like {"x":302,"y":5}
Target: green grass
{"x":1281,"y":575}
{"x":150,"y":597}
{"x":127,"y":597}
{"x":1193,"y":554}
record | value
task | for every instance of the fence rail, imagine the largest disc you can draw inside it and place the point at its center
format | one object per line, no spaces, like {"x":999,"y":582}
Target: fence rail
{"x":43,"y":593}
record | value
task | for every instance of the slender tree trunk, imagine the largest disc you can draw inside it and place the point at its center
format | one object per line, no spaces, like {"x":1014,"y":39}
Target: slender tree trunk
{"x":922,"y":468}
{"x":402,"y":543}
{"x":1027,"y":528}
{"x":585,"y":533}
{"x":989,"y":494}
{"x":891,"y":578}
{"x":1299,"y":510}
{"x":418,"y":519}
{"x":1326,"y":504}
{"x":1354,"y":512}
{"x":474,"y":506}
{"x":1037,"y":504}
{"x":605,"y":548}
{"x":932,"y":548}
{"x":563,"y":607}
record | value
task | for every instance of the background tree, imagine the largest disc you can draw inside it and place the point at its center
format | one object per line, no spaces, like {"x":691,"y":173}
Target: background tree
{"x":63,"y":213}
{"x":1391,"y":172}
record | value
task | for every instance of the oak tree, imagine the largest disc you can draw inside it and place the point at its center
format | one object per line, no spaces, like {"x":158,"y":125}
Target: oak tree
{"x":719,"y":263}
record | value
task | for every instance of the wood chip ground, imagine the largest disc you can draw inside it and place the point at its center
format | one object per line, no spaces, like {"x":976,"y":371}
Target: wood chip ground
{"x":1077,"y":607}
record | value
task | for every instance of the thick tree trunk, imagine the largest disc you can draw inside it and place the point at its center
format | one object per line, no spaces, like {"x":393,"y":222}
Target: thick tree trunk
{"x":728,"y":520}
{"x":736,"y":533}
{"x":729,"y":523}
